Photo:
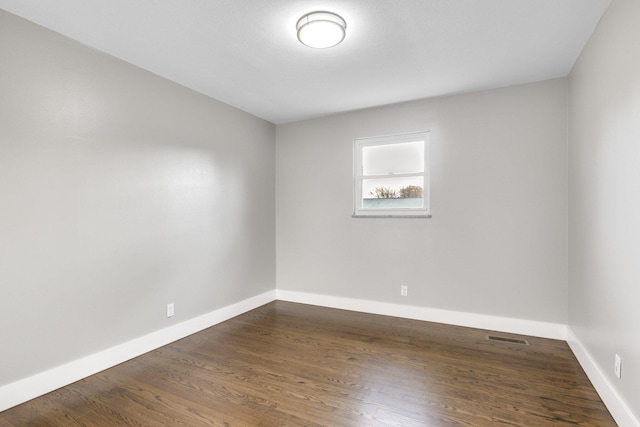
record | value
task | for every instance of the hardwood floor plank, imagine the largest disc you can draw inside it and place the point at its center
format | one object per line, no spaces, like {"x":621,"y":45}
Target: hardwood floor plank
{"x":288,"y":364}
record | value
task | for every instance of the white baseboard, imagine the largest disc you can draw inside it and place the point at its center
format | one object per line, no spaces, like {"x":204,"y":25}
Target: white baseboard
{"x":612,"y":400}
{"x":29,"y":388}
{"x":458,"y":318}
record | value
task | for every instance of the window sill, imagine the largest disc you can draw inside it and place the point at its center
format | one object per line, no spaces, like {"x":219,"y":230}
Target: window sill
{"x":392,"y":216}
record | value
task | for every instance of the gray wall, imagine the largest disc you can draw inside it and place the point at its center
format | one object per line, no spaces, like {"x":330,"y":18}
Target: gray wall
{"x":604,"y":208}
{"x":497,"y":241}
{"x":119,"y":193}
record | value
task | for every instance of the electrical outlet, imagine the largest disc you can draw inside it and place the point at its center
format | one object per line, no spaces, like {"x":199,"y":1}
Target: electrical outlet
{"x":617,"y":367}
{"x":171,"y":310}
{"x":404,"y":290}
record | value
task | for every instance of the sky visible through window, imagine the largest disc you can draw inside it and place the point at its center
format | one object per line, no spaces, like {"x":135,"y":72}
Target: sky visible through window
{"x":382,"y":163}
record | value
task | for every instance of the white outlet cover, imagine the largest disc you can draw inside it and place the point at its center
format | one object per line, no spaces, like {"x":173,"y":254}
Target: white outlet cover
{"x":617,"y":367}
{"x":170,"y":310}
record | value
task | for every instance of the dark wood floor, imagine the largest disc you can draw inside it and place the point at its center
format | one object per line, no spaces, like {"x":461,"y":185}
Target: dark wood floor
{"x":287,"y":364}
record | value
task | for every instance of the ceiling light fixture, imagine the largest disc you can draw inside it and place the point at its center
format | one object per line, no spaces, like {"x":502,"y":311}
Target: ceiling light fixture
{"x":321,"y":29}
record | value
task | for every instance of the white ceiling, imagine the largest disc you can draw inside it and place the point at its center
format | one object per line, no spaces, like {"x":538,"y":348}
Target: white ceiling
{"x":245,"y":52}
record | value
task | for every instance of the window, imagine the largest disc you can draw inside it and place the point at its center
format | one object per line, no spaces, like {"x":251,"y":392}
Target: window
{"x":391,"y":175}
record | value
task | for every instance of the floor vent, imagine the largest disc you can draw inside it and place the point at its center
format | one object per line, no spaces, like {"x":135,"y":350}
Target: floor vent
{"x":509,"y":340}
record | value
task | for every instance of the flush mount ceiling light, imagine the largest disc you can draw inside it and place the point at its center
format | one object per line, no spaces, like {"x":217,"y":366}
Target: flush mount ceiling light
{"x":321,"y":29}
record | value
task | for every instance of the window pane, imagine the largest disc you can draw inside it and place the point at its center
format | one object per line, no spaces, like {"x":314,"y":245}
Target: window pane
{"x":406,"y":157}
{"x":391,"y":175}
{"x":393,"y":193}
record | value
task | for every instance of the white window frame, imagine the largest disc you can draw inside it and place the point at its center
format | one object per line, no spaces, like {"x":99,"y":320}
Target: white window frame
{"x":358,"y":176}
